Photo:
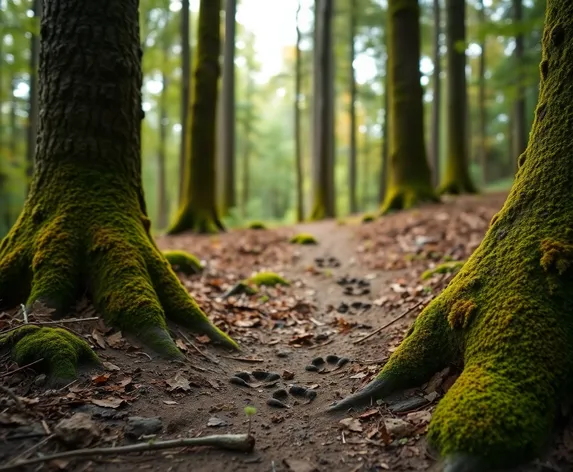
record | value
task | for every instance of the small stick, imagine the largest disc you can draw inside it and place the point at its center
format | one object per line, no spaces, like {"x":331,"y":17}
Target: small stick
{"x":391,"y":322}
{"x":14,"y":397}
{"x":33,"y":448}
{"x":241,"y":359}
{"x":6,"y":374}
{"x":316,"y":346}
{"x":59,"y":322}
{"x":199,"y":351}
{"x":233,"y":442}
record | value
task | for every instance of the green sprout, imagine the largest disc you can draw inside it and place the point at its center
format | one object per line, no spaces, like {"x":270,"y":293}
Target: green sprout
{"x":250,"y":411}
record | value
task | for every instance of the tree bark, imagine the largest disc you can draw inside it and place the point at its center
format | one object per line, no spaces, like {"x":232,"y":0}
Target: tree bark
{"x":84,"y":224}
{"x":323,"y":134}
{"x":505,"y":318}
{"x":482,"y":97}
{"x":297,"y":120}
{"x":185,"y":92}
{"x":520,"y":140}
{"x":162,"y":204}
{"x":456,"y":179}
{"x":409,"y":176}
{"x":228,"y":108}
{"x":33,"y":103}
{"x":437,"y":93}
{"x":198,"y":211}
{"x":385,"y":144}
{"x":352,"y":112}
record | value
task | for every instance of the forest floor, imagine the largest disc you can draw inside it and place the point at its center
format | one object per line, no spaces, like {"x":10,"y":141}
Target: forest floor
{"x":357,"y":279}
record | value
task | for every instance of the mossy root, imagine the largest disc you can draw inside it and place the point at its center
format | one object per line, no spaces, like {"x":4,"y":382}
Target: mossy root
{"x":404,"y":198}
{"x":184,"y":262}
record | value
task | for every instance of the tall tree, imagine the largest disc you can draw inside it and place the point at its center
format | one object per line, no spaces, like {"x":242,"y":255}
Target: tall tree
{"x":198,"y":209}
{"x":352,"y":111}
{"x":162,"y":204}
{"x":84,"y":224}
{"x":33,"y":103}
{"x":185,"y":92}
{"x":482,"y":152}
{"x":297,"y":119}
{"x":456,"y":178}
{"x":506,"y":315}
{"x":408,"y":174}
{"x":437,"y":93}
{"x":323,"y":131}
{"x":228,"y":108}
{"x":520,"y":140}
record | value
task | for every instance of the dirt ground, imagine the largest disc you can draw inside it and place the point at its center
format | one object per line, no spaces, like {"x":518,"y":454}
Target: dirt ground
{"x":356,"y":279}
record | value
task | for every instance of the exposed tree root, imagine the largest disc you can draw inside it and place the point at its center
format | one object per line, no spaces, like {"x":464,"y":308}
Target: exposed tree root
{"x":406,"y":197}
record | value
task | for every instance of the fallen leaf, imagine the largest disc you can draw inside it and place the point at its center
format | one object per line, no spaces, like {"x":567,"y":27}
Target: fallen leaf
{"x":170,"y":402}
{"x":110,"y":366}
{"x":204,"y":339}
{"x":359,"y":375}
{"x":398,"y":427}
{"x":369,"y":414}
{"x":179,"y":382}
{"x":181,"y":345}
{"x":215,"y":422}
{"x":98,"y":338}
{"x":114,"y":340}
{"x":100,"y":379}
{"x":419,"y":417}
{"x":109,"y":402}
{"x":351,"y":424}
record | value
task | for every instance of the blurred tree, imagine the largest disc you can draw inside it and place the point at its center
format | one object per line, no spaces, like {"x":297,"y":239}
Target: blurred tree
{"x":198,"y":210}
{"x":186,"y":61}
{"x":409,"y":176}
{"x":436,"y":93}
{"x":297,"y":120}
{"x":520,"y":139}
{"x":353,"y":204}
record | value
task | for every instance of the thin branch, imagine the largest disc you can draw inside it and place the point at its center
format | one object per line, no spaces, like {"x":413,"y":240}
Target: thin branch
{"x":233,"y":442}
{"x":391,"y":322}
{"x":43,"y":323}
{"x":6,"y":374}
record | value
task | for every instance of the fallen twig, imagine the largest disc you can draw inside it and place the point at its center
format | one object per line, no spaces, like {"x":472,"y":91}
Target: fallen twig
{"x":243,"y":359}
{"x":233,"y":442}
{"x":44,"y":323}
{"x":316,"y":346}
{"x":199,"y":351}
{"x":6,"y":374}
{"x":391,"y":322}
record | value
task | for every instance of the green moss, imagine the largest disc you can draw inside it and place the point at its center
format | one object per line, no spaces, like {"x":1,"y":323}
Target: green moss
{"x":406,"y":196}
{"x":268,"y":279}
{"x":446,"y":268}
{"x":184,"y":262}
{"x":510,"y":302}
{"x":60,"y":350}
{"x":303,"y":238}
{"x":368,"y":217}
{"x":256,"y":225}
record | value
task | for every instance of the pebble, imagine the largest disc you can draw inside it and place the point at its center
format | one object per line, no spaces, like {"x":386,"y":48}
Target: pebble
{"x":276,"y":403}
{"x":238,"y":381}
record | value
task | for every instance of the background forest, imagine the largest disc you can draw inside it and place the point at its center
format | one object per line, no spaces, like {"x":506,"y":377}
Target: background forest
{"x":266,"y":74}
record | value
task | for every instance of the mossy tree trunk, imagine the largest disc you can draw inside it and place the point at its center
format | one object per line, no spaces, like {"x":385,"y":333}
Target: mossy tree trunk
{"x":323,"y":205}
{"x":198,"y":209}
{"x":506,"y":319}
{"x":84,"y":224}
{"x":409,"y":177}
{"x":456,"y":178}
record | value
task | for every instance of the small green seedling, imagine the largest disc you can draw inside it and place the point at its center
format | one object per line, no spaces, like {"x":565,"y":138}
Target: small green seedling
{"x":250,"y":411}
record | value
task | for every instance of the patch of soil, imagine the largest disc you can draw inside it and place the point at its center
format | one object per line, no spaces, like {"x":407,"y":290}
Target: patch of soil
{"x":358,"y":278}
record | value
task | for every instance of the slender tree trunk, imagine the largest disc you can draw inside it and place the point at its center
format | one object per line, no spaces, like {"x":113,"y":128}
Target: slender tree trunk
{"x":198,"y":211}
{"x":1,"y":78}
{"x":456,"y":179}
{"x":409,"y":175}
{"x":185,"y":92}
{"x":228,"y":109}
{"x":12,"y":118}
{"x":33,"y":104}
{"x":385,"y":143}
{"x":482,"y":97}
{"x":323,"y":205}
{"x":162,"y":206}
{"x":437,"y":93}
{"x":246,"y":158}
{"x":520,"y":141}
{"x":365,"y":178}
{"x":352,"y":112}
{"x":297,"y":120}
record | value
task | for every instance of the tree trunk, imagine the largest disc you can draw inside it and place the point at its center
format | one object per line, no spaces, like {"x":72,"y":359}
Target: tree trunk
{"x":323,"y":175}
{"x":506,"y":315}
{"x":84,"y":224}
{"x":352,"y":112}
{"x":33,"y":104}
{"x":365,"y":178}
{"x":162,"y":204}
{"x":385,"y":145}
{"x":482,"y":97}
{"x":1,"y":78}
{"x":185,"y":93}
{"x":456,"y":179}
{"x":437,"y":93}
{"x":520,"y":140}
{"x":13,"y":122}
{"x":297,"y":120}
{"x":228,"y":109}
{"x":198,"y":211}
{"x":409,"y":176}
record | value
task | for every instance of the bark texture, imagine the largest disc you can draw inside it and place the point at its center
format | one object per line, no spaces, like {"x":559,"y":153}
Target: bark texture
{"x":408,"y":172}
{"x":506,"y":319}
{"x":84,"y":224}
{"x":456,"y":178}
{"x":198,"y":209}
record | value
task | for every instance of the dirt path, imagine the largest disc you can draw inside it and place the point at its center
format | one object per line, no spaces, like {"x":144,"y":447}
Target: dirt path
{"x":283,"y":330}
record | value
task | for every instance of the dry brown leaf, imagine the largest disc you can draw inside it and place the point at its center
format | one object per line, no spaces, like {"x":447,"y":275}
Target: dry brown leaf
{"x":351,"y":424}
{"x":98,"y":338}
{"x":179,"y":382}
{"x":109,"y":402}
{"x":114,"y":340}
{"x":181,"y":345}
{"x":100,"y":379}
{"x":110,"y":366}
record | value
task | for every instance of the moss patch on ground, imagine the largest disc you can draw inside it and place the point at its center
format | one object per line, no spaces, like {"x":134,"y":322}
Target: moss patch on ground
{"x":303,"y":238}
{"x":184,"y":262}
{"x":257,"y":225}
{"x":268,"y":279}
